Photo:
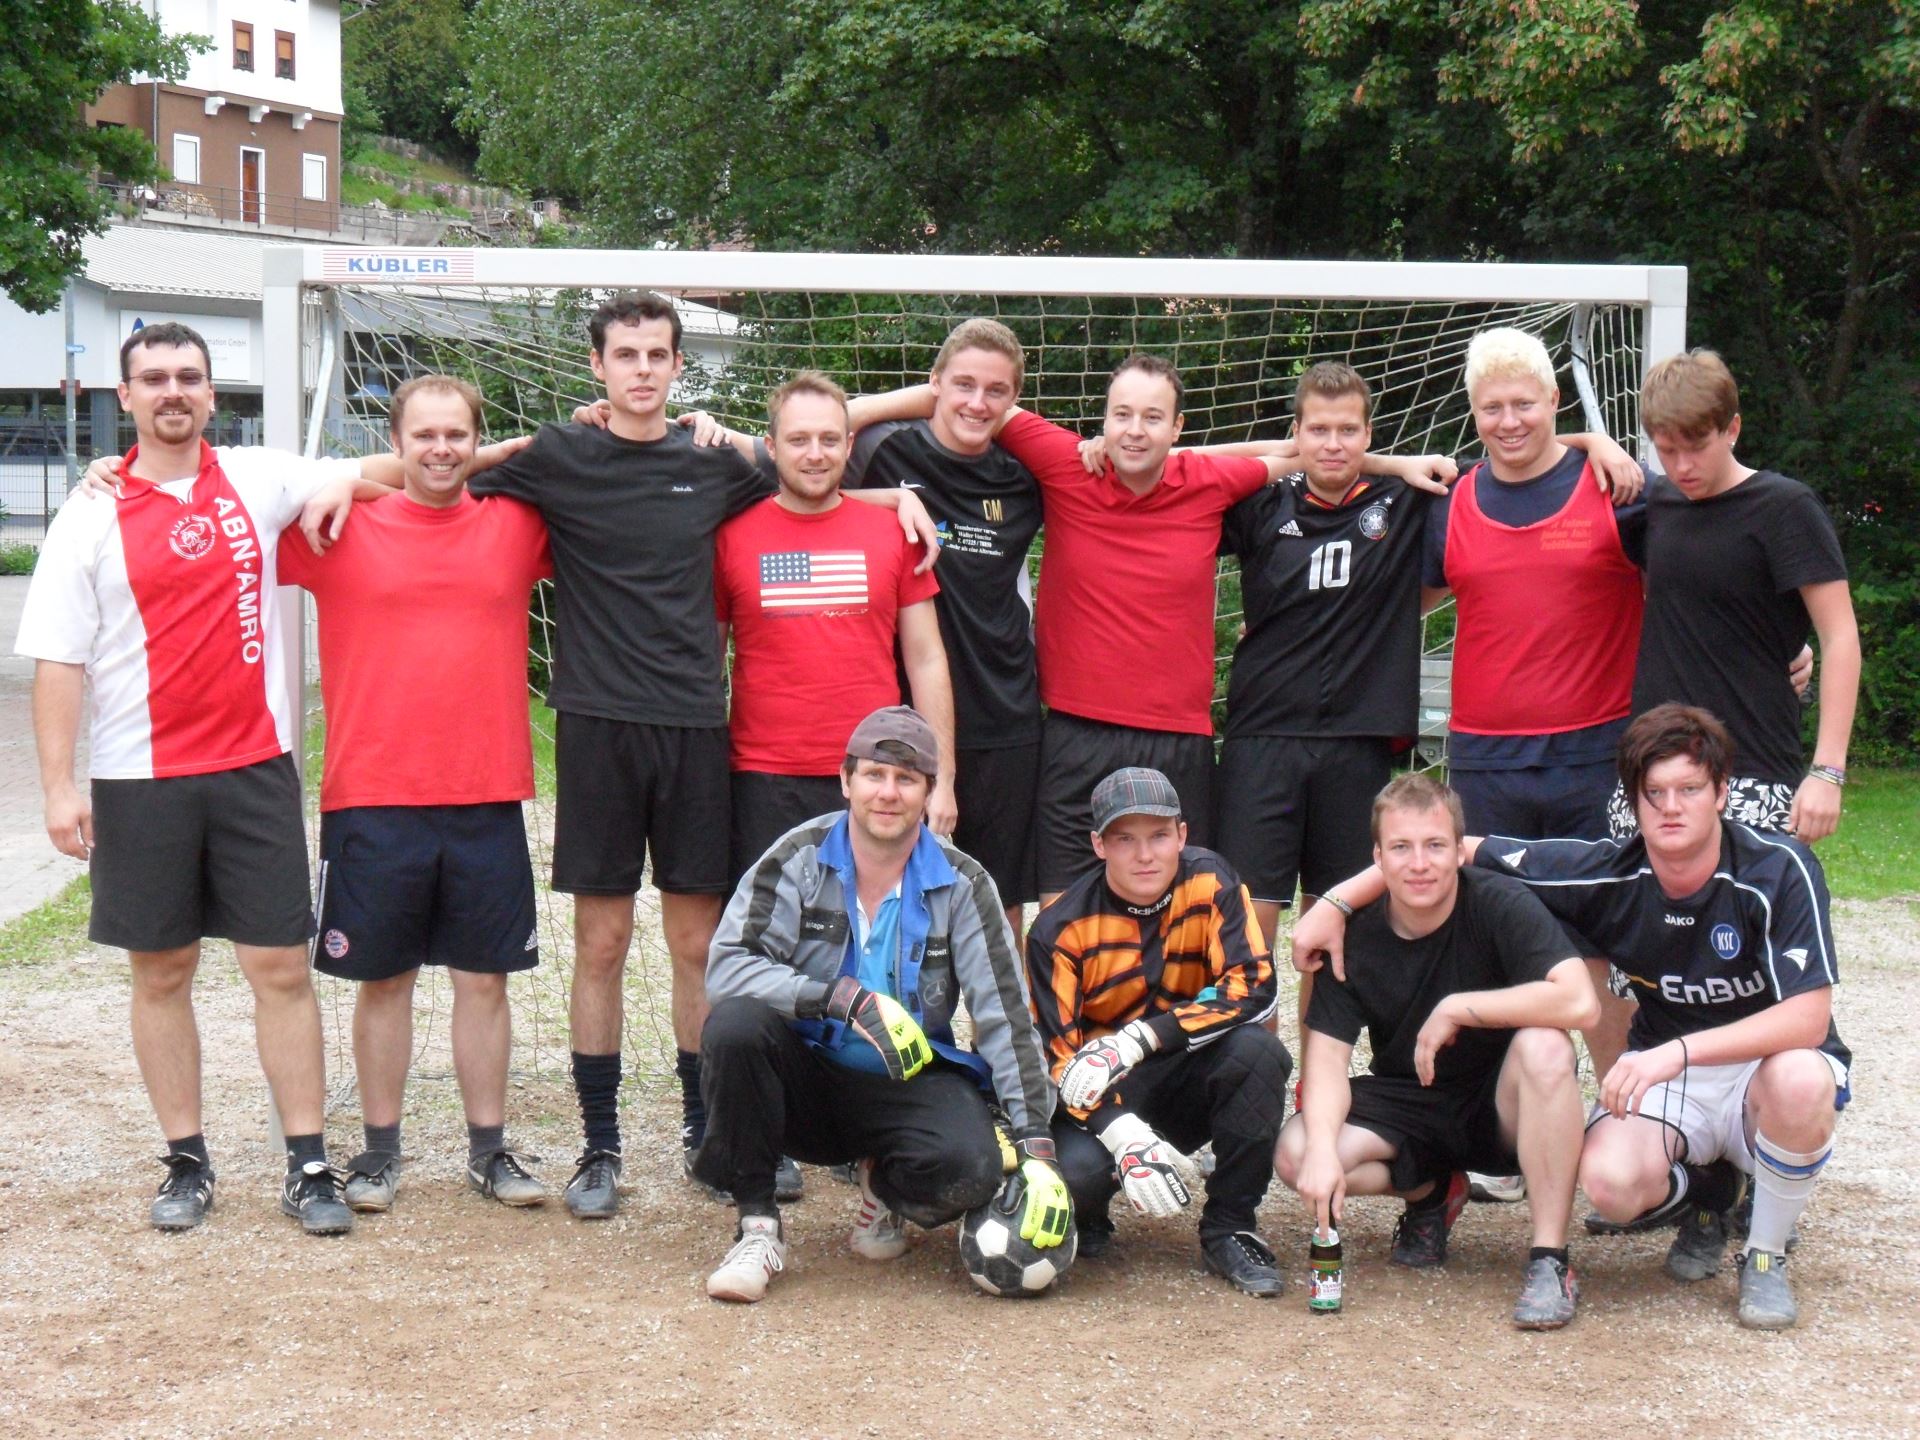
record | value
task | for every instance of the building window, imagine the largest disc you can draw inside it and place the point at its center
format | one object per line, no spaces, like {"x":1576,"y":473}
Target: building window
{"x":313,"y":177}
{"x":242,"y":46}
{"x":283,"y":55}
{"x":186,"y":159}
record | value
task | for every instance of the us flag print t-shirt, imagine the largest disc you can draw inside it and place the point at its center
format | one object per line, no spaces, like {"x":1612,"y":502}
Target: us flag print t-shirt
{"x":167,"y":596}
{"x":814,"y":601}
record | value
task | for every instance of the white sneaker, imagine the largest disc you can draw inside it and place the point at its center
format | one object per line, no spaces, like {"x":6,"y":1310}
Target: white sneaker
{"x":756,"y":1257}
{"x":1496,"y":1189}
{"x":878,"y":1233}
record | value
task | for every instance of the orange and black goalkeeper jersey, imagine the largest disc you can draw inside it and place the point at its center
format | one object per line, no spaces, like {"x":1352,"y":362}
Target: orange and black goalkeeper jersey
{"x":1195,"y":965}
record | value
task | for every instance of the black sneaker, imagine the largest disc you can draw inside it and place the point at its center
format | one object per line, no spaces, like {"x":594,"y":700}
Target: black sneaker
{"x":594,"y":1191}
{"x":312,"y":1196}
{"x":502,"y":1175}
{"x":185,"y":1196}
{"x":1243,"y":1260}
{"x":373,"y":1178}
{"x":1698,"y":1246}
{"x":1420,"y":1237}
{"x":788,"y":1183}
{"x":1096,"y":1237}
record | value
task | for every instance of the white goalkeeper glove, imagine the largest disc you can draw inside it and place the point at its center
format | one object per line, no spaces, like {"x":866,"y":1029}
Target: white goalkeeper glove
{"x":1098,"y":1063}
{"x":1150,"y":1169}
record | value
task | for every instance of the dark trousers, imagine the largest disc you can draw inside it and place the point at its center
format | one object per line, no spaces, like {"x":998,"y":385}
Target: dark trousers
{"x":769,"y":1093}
{"x":1232,"y":1092}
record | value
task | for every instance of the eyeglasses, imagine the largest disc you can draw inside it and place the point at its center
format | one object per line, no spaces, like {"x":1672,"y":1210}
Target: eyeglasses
{"x":159,"y":379}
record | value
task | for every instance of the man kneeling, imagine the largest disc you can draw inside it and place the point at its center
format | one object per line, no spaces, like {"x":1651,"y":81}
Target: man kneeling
{"x":833,"y":979}
{"x":1466,"y":987}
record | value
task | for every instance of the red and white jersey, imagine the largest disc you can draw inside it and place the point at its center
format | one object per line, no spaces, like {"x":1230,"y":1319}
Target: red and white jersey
{"x":167,"y":596}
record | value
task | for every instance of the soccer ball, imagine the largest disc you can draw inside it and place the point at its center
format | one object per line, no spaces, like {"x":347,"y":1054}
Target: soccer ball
{"x":1001,"y":1263}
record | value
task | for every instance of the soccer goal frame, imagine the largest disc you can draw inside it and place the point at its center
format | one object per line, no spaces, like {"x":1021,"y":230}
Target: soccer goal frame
{"x":1408,"y":323}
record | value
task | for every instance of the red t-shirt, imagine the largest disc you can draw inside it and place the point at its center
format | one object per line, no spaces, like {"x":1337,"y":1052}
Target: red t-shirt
{"x":1124,"y":619}
{"x":1548,"y":615}
{"x":423,"y":650}
{"x":815,"y":602}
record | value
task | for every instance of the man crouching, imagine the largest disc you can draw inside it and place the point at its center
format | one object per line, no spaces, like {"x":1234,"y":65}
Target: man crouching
{"x":833,"y":980}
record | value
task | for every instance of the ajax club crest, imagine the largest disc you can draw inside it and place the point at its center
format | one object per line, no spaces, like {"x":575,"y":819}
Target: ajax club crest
{"x":191,"y":537}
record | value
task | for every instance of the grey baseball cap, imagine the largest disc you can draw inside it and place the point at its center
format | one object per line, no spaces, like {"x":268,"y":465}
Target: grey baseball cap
{"x":897,"y":735}
{"x":1135,"y":790}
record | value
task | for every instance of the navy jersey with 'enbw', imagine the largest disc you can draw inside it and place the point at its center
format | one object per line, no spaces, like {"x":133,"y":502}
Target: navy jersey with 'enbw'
{"x":1333,"y":610}
{"x":987,"y":509}
{"x":1755,"y":934}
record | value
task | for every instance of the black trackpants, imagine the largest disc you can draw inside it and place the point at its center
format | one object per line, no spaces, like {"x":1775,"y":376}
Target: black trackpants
{"x":769,"y":1093}
{"x":1232,"y":1092}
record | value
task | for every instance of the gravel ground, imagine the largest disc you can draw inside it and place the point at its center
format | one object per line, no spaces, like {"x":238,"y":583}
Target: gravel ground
{"x":451,"y":1316}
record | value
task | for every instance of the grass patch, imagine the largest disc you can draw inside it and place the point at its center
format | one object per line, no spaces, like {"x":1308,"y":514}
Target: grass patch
{"x":1876,"y":852}
{"x":364,"y":190}
{"x":542,"y":720}
{"x":17,"y":558}
{"x":51,"y":931}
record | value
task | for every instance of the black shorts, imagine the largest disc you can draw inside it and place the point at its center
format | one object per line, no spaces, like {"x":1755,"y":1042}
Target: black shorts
{"x":221,"y":855}
{"x":624,"y":787}
{"x":765,"y":807}
{"x":1540,"y":800}
{"x":996,"y":793}
{"x":403,"y":886}
{"x":1077,"y":754}
{"x":1434,"y":1129}
{"x":1298,"y":809}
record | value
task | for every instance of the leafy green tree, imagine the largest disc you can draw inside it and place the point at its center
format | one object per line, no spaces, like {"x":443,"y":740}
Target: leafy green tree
{"x":408,"y":59}
{"x":55,"y":57}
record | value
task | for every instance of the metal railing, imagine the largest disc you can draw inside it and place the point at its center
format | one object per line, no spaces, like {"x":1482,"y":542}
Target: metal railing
{"x":231,"y":207}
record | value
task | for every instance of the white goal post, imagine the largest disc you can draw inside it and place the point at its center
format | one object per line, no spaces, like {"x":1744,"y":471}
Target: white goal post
{"x":344,"y":325}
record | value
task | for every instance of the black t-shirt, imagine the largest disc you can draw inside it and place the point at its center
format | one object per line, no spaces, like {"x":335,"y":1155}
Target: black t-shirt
{"x":1753,"y":935}
{"x":1724,"y":613}
{"x":1497,"y":936}
{"x":987,"y":509}
{"x":1332,"y":598}
{"x":632,"y":526}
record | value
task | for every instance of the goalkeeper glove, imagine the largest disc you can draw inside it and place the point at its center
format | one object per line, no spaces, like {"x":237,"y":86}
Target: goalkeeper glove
{"x":883,"y":1023}
{"x":1098,"y":1063}
{"x":1037,"y":1194}
{"x":1148,"y":1166}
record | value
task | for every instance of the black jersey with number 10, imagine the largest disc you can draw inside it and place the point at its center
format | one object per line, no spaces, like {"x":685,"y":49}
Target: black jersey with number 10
{"x":1332,"y":596}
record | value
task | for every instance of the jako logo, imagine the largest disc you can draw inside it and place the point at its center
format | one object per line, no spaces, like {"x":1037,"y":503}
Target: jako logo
{"x":1678,"y":919}
{"x":191,"y":537}
{"x":1726,"y":941}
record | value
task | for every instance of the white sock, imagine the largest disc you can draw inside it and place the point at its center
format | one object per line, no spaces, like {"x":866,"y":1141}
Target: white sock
{"x":1782,"y":1185}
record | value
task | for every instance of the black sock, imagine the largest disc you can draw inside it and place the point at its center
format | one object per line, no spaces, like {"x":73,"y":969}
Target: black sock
{"x":194,"y":1145}
{"x":1434,"y":1198}
{"x":1548,"y":1252}
{"x":483,"y":1140}
{"x":693,"y":1110}
{"x":301,"y":1149}
{"x":1712,"y":1187}
{"x":383,"y":1139}
{"x":596,"y":1079}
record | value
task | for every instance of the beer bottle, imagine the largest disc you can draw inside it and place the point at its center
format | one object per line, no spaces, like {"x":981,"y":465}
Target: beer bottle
{"x":1325,"y":1278}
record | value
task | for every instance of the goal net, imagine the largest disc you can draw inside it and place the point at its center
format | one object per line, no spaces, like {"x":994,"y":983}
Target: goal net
{"x":346,"y":327}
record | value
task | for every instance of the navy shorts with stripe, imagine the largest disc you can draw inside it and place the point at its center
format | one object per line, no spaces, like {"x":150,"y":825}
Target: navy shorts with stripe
{"x":403,"y":886}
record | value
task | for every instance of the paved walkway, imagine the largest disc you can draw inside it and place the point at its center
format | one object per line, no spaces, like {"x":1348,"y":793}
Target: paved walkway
{"x":31,"y":870}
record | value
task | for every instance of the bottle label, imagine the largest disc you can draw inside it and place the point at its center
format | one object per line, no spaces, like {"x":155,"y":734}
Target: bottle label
{"x":1324,"y":1285}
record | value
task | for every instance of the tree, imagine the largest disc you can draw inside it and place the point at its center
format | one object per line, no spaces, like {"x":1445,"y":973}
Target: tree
{"x":407,"y":58}
{"x":55,"y":57}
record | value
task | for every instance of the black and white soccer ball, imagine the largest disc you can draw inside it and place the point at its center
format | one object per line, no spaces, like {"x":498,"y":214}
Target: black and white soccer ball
{"x":1001,"y":1263}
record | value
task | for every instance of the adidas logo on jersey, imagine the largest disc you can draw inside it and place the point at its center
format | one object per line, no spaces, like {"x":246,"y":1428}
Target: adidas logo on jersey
{"x":533,"y":939}
{"x":1292,"y":527}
